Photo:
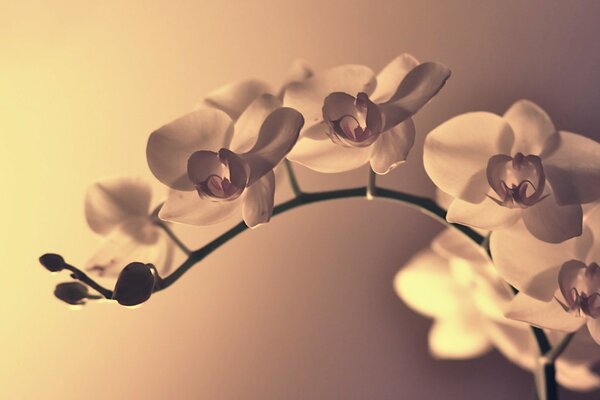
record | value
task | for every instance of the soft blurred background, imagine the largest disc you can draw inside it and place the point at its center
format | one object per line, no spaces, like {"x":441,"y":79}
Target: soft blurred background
{"x":303,"y":308}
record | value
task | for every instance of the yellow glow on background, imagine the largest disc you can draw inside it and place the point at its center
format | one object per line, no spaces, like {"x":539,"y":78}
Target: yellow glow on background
{"x":303,"y":308}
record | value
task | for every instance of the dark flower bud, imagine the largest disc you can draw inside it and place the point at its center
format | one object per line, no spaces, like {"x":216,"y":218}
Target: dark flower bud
{"x":135,"y":284}
{"x":71,"y":292}
{"x":52,"y":262}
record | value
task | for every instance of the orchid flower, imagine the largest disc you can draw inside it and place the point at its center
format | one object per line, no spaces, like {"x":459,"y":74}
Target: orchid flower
{"x":516,"y":167}
{"x":119,"y":209}
{"x":559,"y":284}
{"x":454,"y":283}
{"x":354,"y":117}
{"x":214,"y":169}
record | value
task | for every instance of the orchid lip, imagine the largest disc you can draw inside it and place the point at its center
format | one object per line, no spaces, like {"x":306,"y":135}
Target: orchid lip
{"x":217,"y":176}
{"x":580,"y":286}
{"x":518,"y":181}
{"x":359,"y":127}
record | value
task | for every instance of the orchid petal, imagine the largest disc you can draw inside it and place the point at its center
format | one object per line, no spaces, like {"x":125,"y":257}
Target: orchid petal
{"x":552,"y":223}
{"x":514,"y":248}
{"x":426,"y":285}
{"x":124,"y":246}
{"x":458,"y":338}
{"x":542,"y":314}
{"x":307,"y":96}
{"x":417,"y":88}
{"x":170,"y":147}
{"x":573,"y":169}
{"x":514,"y":341}
{"x":235,"y":97}
{"x":392,"y":147}
{"x":258,"y":203}
{"x":456,"y":153}
{"x":391,"y":76}
{"x":531,"y":125}
{"x":110,"y":202}
{"x":249,"y":123}
{"x":593,"y":326}
{"x":322,"y":155}
{"x":485,"y":215}
{"x":299,"y":70}
{"x":188,"y":208}
{"x":277,"y":135}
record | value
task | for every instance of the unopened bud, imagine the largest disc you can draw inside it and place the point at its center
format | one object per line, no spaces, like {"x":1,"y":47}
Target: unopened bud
{"x":135,"y":284}
{"x":52,"y":262}
{"x":71,"y":292}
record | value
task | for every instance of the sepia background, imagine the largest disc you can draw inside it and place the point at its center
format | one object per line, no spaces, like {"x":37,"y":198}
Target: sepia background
{"x":304,"y":307}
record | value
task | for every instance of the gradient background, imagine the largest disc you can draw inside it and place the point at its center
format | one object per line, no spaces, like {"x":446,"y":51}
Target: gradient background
{"x":302,"y":308}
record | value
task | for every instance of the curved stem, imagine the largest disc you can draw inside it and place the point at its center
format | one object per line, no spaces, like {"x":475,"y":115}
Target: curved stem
{"x":371,"y":185}
{"x":78,"y":274}
{"x":423,"y":204}
{"x":292,"y":178}
{"x":167,"y":229}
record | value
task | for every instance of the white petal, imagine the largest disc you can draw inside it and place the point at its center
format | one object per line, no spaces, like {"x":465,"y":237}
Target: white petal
{"x":235,"y":97}
{"x":456,"y":153}
{"x":188,"y":208}
{"x":576,"y":377}
{"x":170,"y":147}
{"x":124,"y":246}
{"x":110,"y":202}
{"x":278,"y":134}
{"x":515,"y":341}
{"x":249,"y":123}
{"x":485,"y":215}
{"x":552,"y":223}
{"x":458,"y":338}
{"x":391,"y":76}
{"x":573,"y":169}
{"x":307,"y":96}
{"x":426,"y":285}
{"x":531,"y":125}
{"x":417,"y":88}
{"x":527,"y":263}
{"x":542,"y":314}
{"x":299,"y":70}
{"x":316,"y":151}
{"x":594,"y":328}
{"x":451,"y":244}
{"x":392,"y":147}
{"x":258,"y":203}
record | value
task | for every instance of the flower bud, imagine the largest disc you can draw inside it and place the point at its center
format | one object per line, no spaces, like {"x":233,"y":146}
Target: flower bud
{"x":135,"y":284}
{"x":71,"y":292}
{"x":52,"y":262}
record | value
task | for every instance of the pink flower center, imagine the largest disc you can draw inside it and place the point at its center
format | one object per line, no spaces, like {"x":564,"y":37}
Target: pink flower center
{"x":580,"y":287}
{"x":518,"y":181}
{"x":354,"y":130}
{"x":217,"y":176}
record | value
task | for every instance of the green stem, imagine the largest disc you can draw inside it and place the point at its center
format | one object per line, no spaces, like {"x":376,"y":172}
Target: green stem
{"x":423,"y":204}
{"x":78,"y":274}
{"x":292,"y":178}
{"x":167,"y":229}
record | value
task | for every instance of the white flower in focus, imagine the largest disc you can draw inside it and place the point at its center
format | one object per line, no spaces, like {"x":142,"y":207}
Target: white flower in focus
{"x":500,"y":169}
{"x":213,"y":169}
{"x":353,"y":117}
{"x":119,"y":209}
{"x":559,"y":284}
{"x":454,"y":283}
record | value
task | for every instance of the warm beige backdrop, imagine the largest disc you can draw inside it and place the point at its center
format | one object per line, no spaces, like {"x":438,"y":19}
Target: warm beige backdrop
{"x":300,"y":309}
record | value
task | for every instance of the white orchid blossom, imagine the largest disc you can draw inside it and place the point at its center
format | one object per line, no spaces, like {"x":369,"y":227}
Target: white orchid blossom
{"x":214,"y":169}
{"x":559,"y":284}
{"x":454,"y":283}
{"x":503,"y":169}
{"x":120,"y":210}
{"x":353,"y":117}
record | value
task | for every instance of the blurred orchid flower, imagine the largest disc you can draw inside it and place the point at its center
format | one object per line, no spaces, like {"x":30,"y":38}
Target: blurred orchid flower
{"x":213,"y":169}
{"x":454,"y":283}
{"x":119,"y":209}
{"x":354,"y":117}
{"x":559,"y":284}
{"x":503,"y":169}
